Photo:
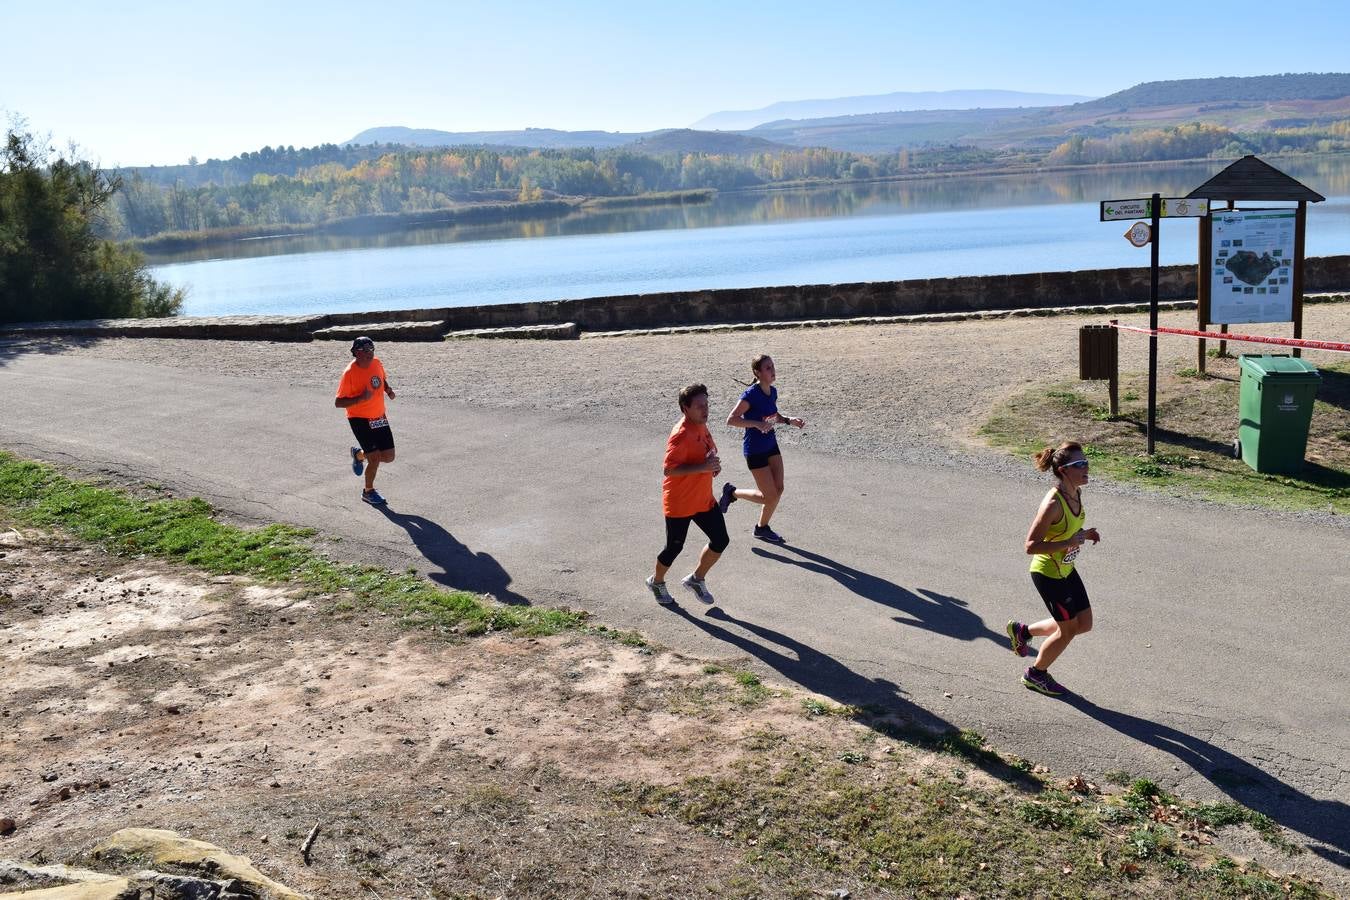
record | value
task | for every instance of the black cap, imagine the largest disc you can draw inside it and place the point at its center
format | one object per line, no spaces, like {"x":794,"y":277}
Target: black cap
{"x":363,"y":343}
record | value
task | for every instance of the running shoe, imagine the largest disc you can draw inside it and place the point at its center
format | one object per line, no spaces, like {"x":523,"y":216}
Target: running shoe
{"x":698,"y":587}
{"x":1019,"y":637}
{"x":765,"y":533}
{"x":373,"y":497}
{"x":357,"y":465}
{"x":1043,"y":682}
{"x":659,"y":591}
{"x":728,"y":497}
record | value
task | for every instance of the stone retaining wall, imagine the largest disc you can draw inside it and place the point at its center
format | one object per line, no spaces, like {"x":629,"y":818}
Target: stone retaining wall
{"x":1089,"y":287}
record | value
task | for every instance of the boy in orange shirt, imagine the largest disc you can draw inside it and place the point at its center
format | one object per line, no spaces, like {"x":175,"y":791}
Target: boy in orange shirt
{"x":361,"y":393}
{"x":686,"y":496}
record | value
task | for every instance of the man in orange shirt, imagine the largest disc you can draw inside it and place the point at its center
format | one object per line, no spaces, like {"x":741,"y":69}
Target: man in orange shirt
{"x":686,"y":496}
{"x":361,"y":393}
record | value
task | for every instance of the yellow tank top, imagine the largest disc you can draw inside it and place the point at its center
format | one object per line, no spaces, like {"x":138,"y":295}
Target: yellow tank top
{"x":1060,"y":563}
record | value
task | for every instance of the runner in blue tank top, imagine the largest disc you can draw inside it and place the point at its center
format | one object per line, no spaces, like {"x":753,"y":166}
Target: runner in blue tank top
{"x":757,"y":412}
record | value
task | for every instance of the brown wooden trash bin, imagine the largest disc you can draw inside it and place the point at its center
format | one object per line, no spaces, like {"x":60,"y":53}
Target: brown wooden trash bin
{"x":1099,"y":357}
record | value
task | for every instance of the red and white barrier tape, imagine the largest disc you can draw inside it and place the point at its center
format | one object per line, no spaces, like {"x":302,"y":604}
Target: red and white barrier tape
{"x":1334,"y":346}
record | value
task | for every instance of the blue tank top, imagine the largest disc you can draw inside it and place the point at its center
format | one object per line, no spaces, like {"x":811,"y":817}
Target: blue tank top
{"x":762,"y":406}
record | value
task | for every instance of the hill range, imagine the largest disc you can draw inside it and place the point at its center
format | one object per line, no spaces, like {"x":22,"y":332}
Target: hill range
{"x":1243,"y":104}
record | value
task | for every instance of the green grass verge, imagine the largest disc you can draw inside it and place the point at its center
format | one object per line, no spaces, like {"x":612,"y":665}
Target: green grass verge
{"x":187,"y":531}
{"x":940,"y":834}
{"x":1197,"y":420}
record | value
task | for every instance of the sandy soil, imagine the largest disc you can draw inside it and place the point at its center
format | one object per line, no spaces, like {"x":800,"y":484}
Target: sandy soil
{"x":136,"y":694}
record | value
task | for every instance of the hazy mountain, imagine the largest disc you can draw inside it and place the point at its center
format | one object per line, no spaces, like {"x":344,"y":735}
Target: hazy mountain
{"x":527,"y":137}
{"x":1254,"y":104}
{"x":881,"y":103}
{"x":686,"y":140}
{"x":991,"y":119}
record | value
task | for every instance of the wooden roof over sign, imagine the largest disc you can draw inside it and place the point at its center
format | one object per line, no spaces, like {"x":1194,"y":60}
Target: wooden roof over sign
{"x":1251,"y":179}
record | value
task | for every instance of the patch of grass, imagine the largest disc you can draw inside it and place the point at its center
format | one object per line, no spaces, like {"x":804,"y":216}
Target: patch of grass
{"x":187,"y":532}
{"x":753,"y":692}
{"x":1196,"y":424}
{"x":817,"y":707}
{"x":797,"y":807}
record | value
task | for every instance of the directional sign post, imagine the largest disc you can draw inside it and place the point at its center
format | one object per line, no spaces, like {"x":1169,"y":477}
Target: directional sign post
{"x":1171,"y":208}
{"x":1154,"y":209}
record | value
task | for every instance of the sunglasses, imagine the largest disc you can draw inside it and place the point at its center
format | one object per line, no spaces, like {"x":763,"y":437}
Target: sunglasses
{"x":1076,"y":464}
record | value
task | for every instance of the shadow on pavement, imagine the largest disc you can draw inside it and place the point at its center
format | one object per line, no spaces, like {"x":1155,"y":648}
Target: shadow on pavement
{"x":461,"y":568}
{"x":823,"y":674}
{"x":12,"y":348}
{"x":1326,"y":821}
{"x":924,"y":609}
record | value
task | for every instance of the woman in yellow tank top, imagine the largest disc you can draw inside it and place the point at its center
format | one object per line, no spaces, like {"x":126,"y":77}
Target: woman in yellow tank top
{"x":1053,"y":541}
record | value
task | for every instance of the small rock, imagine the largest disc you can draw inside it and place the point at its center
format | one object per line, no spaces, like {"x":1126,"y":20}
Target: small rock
{"x":947,"y":695}
{"x":438,"y":810}
{"x":489,"y":730}
{"x":173,"y":710}
{"x":7,"y":825}
{"x":64,"y":793}
{"x":49,"y":776}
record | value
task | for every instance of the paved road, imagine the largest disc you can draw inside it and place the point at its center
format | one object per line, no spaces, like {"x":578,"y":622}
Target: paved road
{"x":1218,"y":665}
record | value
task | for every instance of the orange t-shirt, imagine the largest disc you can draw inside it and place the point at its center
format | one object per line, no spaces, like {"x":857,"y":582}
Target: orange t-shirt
{"x":355,"y":380}
{"x":687,"y":495}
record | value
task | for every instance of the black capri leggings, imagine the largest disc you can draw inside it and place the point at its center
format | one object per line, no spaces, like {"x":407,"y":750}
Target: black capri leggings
{"x":710,"y":523}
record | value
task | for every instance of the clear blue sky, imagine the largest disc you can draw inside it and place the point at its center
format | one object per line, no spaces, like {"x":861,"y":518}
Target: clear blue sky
{"x":157,"y":82}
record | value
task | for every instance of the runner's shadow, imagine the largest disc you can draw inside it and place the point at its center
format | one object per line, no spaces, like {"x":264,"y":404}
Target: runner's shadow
{"x":924,"y":609}
{"x":812,"y":669}
{"x":462,"y":568}
{"x":823,"y":674}
{"x":1327,"y":821}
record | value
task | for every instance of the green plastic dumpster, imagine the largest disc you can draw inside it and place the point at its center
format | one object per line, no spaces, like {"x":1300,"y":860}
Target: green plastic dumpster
{"x":1275,"y":405}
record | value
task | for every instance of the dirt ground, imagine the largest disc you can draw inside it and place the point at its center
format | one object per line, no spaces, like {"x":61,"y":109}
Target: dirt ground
{"x":137,"y":694}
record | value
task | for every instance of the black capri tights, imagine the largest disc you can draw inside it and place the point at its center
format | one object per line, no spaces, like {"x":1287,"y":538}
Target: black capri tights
{"x":710,"y":523}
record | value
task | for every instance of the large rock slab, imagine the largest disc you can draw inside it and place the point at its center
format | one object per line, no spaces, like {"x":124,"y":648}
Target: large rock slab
{"x":168,"y":848}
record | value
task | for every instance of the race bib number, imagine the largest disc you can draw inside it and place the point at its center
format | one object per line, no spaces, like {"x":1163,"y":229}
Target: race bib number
{"x":381,"y":422}
{"x":1072,"y":553}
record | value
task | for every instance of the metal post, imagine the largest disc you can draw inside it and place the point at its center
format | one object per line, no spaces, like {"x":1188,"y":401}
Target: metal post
{"x":1153,"y":322}
{"x":1114,"y":384}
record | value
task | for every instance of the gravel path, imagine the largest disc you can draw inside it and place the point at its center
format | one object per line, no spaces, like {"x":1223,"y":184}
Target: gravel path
{"x":914,"y":392}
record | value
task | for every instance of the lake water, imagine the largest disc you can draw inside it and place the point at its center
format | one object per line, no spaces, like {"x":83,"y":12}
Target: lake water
{"x":859,"y":232}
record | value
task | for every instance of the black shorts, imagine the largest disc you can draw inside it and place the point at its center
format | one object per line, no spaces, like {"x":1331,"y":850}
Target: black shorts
{"x":760,"y":460}
{"x":372,"y":439}
{"x":1064,"y":597}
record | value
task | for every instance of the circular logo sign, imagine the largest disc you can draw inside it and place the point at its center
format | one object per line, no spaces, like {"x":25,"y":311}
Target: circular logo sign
{"x":1139,"y":234}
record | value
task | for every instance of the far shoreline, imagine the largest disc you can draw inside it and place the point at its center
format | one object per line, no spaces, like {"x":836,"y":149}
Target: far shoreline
{"x":163,"y":247}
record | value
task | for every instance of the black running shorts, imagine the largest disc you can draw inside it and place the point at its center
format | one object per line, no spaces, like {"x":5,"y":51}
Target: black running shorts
{"x":1064,"y":597}
{"x":760,"y":460}
{"x":373,"y":434}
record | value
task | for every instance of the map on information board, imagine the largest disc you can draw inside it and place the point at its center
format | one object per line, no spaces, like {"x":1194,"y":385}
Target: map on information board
{"x":1250,"y":273}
